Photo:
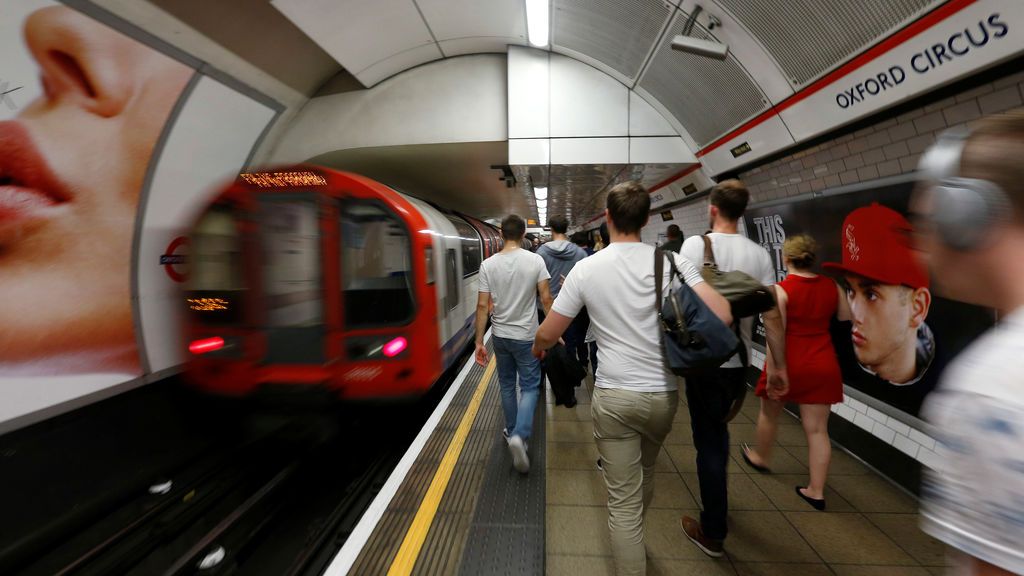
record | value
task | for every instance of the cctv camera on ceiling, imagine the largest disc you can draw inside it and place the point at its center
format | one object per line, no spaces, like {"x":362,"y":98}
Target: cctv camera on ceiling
{"x":700,"y":47}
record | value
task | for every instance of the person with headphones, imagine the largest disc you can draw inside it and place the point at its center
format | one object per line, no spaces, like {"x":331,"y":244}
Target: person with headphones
{"x":887,"y":289}
{"x":969,"y":225}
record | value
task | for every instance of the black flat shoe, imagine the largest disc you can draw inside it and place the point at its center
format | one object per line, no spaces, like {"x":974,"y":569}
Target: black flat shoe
{"x":758,"y":467}
{"x":818,"y":504}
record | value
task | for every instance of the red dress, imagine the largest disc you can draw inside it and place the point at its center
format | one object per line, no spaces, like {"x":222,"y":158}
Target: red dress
{"x":814,"y":376}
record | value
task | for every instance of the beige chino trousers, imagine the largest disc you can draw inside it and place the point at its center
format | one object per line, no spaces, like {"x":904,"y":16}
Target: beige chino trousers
{"x":629,"y":428}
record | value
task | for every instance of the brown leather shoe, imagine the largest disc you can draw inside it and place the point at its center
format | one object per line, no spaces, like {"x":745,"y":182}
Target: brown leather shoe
{"x":691,"y":527}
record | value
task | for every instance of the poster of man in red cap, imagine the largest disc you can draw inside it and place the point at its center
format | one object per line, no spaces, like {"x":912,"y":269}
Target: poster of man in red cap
{"x":887,"y":288}
{"x":902,"y":333}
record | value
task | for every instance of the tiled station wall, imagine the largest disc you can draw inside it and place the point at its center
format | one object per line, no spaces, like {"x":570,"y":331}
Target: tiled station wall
{"x":886,"y":148}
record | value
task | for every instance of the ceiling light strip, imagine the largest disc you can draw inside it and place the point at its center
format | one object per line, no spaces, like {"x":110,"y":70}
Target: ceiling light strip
{"x":538,"y":22}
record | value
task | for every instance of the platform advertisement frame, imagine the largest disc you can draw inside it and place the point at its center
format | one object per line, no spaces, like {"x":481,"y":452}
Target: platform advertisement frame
{"x":96,"y":115}
{"x":942,"y":327}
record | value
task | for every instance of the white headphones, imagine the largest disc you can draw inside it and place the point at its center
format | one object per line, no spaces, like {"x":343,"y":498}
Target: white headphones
{"x":965,"y":208}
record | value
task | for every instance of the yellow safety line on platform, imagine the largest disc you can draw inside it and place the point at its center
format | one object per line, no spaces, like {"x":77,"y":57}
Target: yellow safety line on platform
{"x":405,"y":560}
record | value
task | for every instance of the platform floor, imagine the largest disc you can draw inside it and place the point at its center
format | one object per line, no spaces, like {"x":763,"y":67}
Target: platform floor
{"x":870,"y":529}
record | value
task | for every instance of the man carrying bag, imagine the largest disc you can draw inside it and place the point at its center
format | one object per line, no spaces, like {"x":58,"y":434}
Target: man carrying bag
{"x":714,"y":395}
{"x":635,"y":395}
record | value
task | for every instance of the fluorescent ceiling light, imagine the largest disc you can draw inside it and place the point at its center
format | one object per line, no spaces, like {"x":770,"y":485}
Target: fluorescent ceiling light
{"x":540,"y":193}
{"x":543,"y":204}
{"x":537,"y":13}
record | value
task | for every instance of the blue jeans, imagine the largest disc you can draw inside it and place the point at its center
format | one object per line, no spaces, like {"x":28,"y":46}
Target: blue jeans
{"x":514,"y":359}
{"x":709,"y":397}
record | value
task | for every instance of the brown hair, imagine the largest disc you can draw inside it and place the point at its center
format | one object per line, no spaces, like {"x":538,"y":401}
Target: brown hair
{"x":730,"y":197}
{"x":513,"y":227}
{"x":558,"y":223}
{"x":994,"y":152}
{"x":800,"y":250}
{"x":628,"y":205}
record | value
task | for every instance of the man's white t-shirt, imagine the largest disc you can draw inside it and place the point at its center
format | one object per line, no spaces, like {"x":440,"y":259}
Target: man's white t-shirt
{"x":973,"y":499}
{"x":511,"y":278}
{"x":616,"y":285}
{"x":734,"y":252}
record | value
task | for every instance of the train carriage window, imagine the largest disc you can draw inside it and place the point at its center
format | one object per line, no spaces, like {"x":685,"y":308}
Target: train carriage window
{"x":215,"y":280}
{"x":451,"y":270}
{"x":376,"y":266}
{"x":471,"y":256}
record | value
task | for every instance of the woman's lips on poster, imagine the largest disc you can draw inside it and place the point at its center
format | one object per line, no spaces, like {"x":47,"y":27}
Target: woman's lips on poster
{"x":29,"y":190}
{"x":858,"y":338}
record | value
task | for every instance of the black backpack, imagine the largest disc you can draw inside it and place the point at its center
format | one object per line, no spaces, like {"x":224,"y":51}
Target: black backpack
{"x":564,"y":374}
{"x":693,"y":339}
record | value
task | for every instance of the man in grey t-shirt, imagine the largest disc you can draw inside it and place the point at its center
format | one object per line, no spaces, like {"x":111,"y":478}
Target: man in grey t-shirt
{"x":513,"y":278}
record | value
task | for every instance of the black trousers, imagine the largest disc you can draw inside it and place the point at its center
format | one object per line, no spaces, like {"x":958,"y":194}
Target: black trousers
{"x":575,"y":337}
{"x":710,"y":397}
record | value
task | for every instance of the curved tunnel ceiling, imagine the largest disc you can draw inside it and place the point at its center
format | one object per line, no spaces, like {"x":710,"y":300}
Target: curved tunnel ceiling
{"x":776,"y":46}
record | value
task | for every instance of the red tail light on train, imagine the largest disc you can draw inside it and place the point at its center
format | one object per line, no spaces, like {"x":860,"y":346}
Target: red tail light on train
{"x":206,"y":345}
{"x":395,"y":347}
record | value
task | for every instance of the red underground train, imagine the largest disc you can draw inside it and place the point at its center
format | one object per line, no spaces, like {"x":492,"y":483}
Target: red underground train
{"x":305,"y":279}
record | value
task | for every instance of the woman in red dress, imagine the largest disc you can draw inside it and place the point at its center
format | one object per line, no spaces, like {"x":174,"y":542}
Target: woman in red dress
{"x":807,"y":303}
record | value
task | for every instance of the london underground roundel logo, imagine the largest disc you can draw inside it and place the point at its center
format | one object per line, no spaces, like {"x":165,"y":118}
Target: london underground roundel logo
{"x":171,"y":259}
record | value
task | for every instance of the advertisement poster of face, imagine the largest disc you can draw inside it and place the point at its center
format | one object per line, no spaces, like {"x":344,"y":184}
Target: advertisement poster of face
{"x":902,"y":332}
{"x":83,"y":109}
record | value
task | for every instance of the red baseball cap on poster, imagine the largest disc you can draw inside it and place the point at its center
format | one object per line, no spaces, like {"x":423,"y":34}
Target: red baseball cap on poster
{"x":876,"y":245}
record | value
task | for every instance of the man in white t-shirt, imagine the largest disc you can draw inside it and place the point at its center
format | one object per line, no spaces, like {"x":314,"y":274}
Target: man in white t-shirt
{"x":635,"y":396}
{"x":970,"y":225}
{"x":714,"y":395}
{"x":513,"y":279}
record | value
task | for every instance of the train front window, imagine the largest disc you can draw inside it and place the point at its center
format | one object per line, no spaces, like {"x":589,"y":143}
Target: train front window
{"x":215,"y":282}
{"x":291,"y":262}
{"x":376,"y":266}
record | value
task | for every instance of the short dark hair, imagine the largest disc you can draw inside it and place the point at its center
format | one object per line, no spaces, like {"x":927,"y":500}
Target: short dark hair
{"x":558,"y":223}
{"x":730,"y":197}
{"x":513,"y":227}
{"x":628,"y":206}
{"x":579,"y":238}
{"x":602,"y":231}
{"x":674,"y":231}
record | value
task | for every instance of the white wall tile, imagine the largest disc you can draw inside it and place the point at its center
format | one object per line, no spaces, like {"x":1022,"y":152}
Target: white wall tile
{"x":864,"y":421}
{"x":928,"y":458}
{"x":877,"y":415}
{"x":923,"y":439}
{"x":847,"y":413}
{"x":898,"y":426}
{"x":884,"y":432}
{"x":906,"y":445}
{"x":857,"y":405}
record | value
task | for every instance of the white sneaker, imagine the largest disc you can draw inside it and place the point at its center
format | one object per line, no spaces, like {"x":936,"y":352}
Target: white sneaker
{"x":504,"y":434}
{"x":520,"y":461}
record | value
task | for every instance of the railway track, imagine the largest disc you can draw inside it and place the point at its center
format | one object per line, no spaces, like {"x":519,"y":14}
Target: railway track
{"x":281,"y":502}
